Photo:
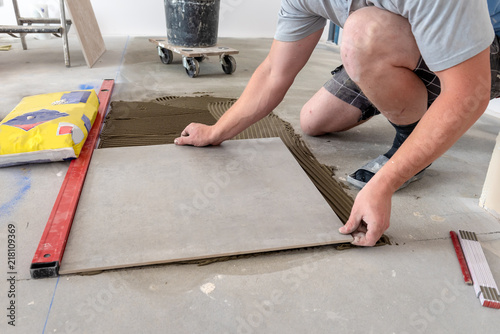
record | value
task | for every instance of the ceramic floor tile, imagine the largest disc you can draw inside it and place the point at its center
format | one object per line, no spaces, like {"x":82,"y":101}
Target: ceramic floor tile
{"x":165,"y":203}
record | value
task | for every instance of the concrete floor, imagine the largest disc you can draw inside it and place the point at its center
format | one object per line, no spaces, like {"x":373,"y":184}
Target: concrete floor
{"x":412,"y":286}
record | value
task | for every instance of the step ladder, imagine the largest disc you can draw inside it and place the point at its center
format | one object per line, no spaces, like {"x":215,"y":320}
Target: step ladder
{"x":59,"y":28}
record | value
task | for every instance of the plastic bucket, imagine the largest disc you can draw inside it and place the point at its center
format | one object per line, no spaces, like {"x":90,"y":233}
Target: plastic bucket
{"x":192,"y":23}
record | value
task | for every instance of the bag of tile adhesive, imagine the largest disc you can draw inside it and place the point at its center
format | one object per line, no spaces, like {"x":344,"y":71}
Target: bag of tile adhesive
{"x":48,"y":127}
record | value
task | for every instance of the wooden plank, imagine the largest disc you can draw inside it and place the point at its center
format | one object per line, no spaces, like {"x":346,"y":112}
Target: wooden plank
{"x":195,"y":52}
{"x":167,"y":203}
{"x":87,"y":29}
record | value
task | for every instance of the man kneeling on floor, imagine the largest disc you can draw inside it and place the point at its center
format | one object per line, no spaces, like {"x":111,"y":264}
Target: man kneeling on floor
{"x":429,"y":66}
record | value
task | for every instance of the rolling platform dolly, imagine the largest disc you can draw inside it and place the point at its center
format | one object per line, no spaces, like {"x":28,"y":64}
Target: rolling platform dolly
{"x":191,"y":57}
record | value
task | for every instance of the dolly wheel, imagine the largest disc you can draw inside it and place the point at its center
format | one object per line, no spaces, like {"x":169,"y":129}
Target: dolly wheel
{"x":166,"y":55}
{"x":228,"y":64}
{"x":192,"y":67}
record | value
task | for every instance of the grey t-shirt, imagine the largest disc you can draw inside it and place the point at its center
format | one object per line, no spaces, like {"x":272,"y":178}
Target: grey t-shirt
{"x":447,"y":32}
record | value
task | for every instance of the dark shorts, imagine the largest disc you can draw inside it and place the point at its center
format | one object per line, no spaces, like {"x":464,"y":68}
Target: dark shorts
{"x":345,"y":89}
{"x":495,"y":67}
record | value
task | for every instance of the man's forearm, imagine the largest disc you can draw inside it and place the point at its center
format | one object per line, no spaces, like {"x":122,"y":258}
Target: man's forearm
{"x":268,"y":85}
{"x":463,"y":100}
{"x":435,"y":134}
{"x":263,"y":93}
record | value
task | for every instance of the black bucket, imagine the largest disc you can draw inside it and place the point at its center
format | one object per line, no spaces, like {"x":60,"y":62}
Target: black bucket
{"x":192,"y":23}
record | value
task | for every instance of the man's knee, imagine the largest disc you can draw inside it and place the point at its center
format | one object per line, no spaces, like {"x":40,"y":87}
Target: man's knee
{"x":336,"y":116}
{"x":359,"y":43}
{"x":374,"y":38}
{"x":309,"y":121}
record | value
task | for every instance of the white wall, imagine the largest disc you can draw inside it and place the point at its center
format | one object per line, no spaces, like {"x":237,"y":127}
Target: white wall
{"x":238,"y":18}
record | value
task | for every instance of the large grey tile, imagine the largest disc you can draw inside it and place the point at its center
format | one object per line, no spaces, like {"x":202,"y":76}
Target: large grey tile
{"x":167,"y":203}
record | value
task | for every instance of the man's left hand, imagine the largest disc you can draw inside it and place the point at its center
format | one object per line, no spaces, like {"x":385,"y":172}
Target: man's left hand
{"x":370,"y":216}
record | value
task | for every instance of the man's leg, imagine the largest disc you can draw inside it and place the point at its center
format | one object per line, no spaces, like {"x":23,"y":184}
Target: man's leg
{"x":380,"y":53}
{"x":338,"y":106}
{"x":325,"y":113}
{"x":381,"y":56}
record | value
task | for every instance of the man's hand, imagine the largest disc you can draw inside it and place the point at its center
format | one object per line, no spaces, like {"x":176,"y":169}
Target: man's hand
{"x":369,"y":217}
{"x":197,"y":135}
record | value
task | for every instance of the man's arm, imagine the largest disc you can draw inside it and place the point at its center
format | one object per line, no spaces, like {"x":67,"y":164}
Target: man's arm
{"x":265,"y":90}
{"x":465,"y":93}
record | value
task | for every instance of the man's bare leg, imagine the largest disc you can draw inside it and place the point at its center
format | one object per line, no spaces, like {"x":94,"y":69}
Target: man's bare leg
{"x":379,"y":53}
{"x":325,"y":113}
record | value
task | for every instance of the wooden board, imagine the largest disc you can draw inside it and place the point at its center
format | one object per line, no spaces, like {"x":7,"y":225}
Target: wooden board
{"x":167,"y":203}
{"x":87,"y":30}
{"x":195,"y":52}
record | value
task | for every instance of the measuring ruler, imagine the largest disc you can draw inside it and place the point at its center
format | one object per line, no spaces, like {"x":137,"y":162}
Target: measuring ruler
{"x":481,"y":277}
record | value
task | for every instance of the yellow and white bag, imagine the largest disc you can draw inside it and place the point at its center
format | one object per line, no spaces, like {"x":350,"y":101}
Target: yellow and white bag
{"x":48,"y":127}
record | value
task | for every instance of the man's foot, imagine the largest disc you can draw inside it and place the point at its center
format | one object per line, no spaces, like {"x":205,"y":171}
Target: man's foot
{"x":361,"y":177}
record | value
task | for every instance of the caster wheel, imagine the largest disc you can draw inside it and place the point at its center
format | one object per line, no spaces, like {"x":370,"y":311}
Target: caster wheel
{"x":192,"y":67}
{"x":228,"y":64}
{"x":166,"y":55}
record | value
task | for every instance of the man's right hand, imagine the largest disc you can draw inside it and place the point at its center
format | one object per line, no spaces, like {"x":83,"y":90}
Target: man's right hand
{"x":197,"y":135}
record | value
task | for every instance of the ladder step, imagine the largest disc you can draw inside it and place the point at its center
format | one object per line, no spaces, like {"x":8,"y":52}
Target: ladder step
{"x":30,"y":29}
{"x":37,"y":20}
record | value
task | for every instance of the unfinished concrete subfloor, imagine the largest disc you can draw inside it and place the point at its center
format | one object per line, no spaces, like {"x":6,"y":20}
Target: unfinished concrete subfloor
{"x":412,"y":286}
